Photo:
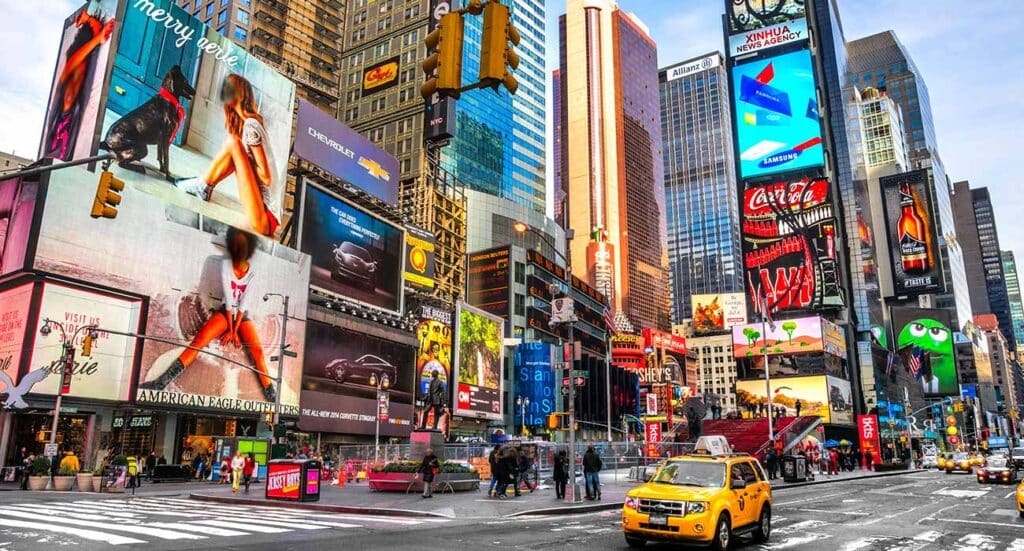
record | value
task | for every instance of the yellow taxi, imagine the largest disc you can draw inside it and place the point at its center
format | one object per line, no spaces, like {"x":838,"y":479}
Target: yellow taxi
{"x":960,"y":461}
{"x":700,"y":498}
{"x":1020,"y":499}
{"x":978,"y":459}
{"x":941,"y":461}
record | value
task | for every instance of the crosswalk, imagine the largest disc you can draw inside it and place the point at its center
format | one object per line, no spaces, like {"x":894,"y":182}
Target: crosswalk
{"x":145,"y":520}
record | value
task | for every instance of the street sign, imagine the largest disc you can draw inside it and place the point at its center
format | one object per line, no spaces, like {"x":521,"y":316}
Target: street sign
{"x":581,"y":373}
{"x":50,"y":450}
{"x":580,"y":381}
{"x":290,"y":354}
{"x":565,"y":390}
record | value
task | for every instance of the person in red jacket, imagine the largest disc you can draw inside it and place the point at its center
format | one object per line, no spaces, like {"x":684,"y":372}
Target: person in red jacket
{"x":248,"y":470}
{"x":833,"y":462}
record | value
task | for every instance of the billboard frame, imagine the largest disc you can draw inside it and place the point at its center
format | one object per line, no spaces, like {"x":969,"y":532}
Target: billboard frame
{"x":457,"y":363}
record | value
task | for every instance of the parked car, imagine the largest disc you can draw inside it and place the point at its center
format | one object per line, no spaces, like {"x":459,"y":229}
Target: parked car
{"x":367,"y":369}
{"x":354,"y":265}
{"x":1017,"y":454}
{"x":929,"y":460}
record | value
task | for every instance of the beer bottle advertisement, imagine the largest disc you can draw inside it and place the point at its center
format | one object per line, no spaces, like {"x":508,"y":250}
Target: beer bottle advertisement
{"x":912,"y":233}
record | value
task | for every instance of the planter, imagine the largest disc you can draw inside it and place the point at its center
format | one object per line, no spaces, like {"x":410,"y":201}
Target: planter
{"x":97,"y":483}
{"x":408,"y":482}
{"x":63,"y":483}
{"x":37,"y":483}
{"x":889,"y":467}
{"x":84,"y":481}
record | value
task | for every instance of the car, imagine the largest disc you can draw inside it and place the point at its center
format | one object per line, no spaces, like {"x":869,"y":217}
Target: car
{"x":1020,"y":499}
{"x":978,"y":459}
{"x":960,"y":461}
{"x":354,"y":265}
{"x":367,"y":369}
{"x":940,"y":462}
{"x":999,"y":469}
{"x":700,"y":498}
{"x":929,"y":460}
{"x":1017,"y":454}
{"x":651,"y":470}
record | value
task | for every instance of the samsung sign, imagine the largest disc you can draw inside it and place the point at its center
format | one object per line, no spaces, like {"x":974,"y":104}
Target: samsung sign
{"x":686,"y":69}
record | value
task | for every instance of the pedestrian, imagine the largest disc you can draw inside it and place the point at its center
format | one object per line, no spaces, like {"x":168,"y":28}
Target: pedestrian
{"x":225,"y":471}
{"x":247,"y":469}
{"x":26,"y":465}
{"x":70,"y":462}
{"x":511,"y":469}
{"x":237,"y":465}
{"x":561,"y":474}
{"x":500,"y":472}
{"x":525,"y":466}
{"x":770,"y":462}
{"x":858,"y":457}
{"x":492,"y":460}
{"x":161,"y":460}
{"x":833,"y":460}
{"x":798,"y":406}
{"x":150,"y":464}
{"x":428,"y":468}
{"x":197,"y":466}
{"x":591,"y":469}
{"x":869,"y":459}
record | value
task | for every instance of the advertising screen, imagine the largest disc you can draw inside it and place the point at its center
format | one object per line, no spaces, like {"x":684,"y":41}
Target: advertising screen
{"x":196,"y":273}
{"x":479,"y":356}
{"x":929,"y":333}
{"x":107,"y":373}
{"x":14,"y":309}
{"x":718,"y":312}
{"x":827,"y":397}
{"x":534,"y":381}
{"x":794,"y":336}
{"x":834,"y":339}
{"x":340,"y":378}
{"x":434,"y":333}
{"x":17,"y":208}
{"x":381,"y":76}
{"x":867,"y":433}
{"x":283,"y":481}
{"x":488,"y":279}
{"x":345,"y":153}
{"x":355,"y":254}
{"x":789,"y":241}
{"x":756,"y":26}
{"x":419,"y":257}
{"x":777,"y":126}
{"x":912,"y":230}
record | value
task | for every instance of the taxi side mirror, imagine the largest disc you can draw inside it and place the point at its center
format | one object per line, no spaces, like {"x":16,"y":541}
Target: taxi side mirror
{"x":738,"y":484}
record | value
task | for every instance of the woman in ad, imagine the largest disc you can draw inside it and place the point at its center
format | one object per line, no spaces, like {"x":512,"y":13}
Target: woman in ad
{"x":231,"y":323}
{"x":246,"y":154}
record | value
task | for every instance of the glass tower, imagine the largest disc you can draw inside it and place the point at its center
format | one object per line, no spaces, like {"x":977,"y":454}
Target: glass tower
{"x":700,"y":182}
{"x":1013,"y":295}
{"x":992,"y":263}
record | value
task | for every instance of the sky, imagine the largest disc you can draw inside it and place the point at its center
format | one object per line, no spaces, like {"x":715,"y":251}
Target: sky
{"x":969,"y":55}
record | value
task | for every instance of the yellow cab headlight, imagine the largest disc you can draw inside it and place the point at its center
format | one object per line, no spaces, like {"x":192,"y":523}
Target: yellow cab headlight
{"x":696,"y":507}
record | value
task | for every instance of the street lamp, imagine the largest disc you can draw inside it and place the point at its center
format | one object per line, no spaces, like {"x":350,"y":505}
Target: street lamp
{"x":280,"y":360}
{"x":67,"y":362}
{"x":522,"y":403}
{"x":383,"y":400}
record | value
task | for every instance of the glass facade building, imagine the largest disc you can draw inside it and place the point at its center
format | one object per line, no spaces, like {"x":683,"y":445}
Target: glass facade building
{"x":992,"y":263}
{"x":701,"y":203}
{"x":1013,"y":295}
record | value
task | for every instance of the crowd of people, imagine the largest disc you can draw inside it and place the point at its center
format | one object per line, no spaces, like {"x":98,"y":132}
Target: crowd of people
{"x":510,"y":466}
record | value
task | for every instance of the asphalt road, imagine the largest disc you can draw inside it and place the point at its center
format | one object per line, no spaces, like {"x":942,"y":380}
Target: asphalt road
{"x":925,"y":511}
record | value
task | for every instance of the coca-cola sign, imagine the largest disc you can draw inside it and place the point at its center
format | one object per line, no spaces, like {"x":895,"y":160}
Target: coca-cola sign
{"x":769,"y":199}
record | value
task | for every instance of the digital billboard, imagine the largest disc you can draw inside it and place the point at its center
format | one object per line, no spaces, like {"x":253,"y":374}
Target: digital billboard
{"x":821,"y":395}
{"x":434,"y":334}
{"x":717,"y":313}
{"x":17,"y":209}
{"x":355,"y":254}
{"x":14,"y":325}
{"x":381,"y":76}
{"x":777,"y":126}
{"x":534,"y":381}
{"x":420,"y":247}
{"x":929,"y":331}
{"x":488,"y":276}
{"x":912,"y":230}
{"x":345,"y":153}
{"x":479,"y":354}
{"x":757,"y":26}
{"x":341,"y":374}
{"x":834,"y":339}
{"x":790,"y":241}
{"x":794,"y":336}
{"x":198,"y":275}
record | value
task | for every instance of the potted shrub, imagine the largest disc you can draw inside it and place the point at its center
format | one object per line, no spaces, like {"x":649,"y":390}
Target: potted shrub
{"x":64,"y":479}
{"x":97,"y":479}
{"x":84,"y":480}
{"x":39,"y":474}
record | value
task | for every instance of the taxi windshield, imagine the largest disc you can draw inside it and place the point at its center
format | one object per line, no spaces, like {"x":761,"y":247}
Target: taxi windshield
{"x":703,"y":474}
{"x":997,"y":462}
{"x":960,"y":457}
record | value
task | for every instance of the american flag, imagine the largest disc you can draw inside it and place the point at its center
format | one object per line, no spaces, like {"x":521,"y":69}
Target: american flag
{"x":914,"y":363}
{"x":609,"y":320}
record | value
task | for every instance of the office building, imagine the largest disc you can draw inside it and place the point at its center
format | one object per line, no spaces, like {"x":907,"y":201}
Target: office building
{"x":992,"y":263}
{"x":717,"y":369}
{"x":299,"y":38}
{"x":700,"y":181}
{"x":1013,"y":296}
{"x":881,"y":61}
{"x":970,"y":245}
{"x":612,"y":163}
{"x":999,"y":356}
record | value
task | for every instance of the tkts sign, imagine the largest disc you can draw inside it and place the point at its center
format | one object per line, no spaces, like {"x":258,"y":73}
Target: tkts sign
{"x":789,"y":245}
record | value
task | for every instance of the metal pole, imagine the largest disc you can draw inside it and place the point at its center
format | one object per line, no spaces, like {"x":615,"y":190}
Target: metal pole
{"x":376,"y":429}
{"x":767,"y":371}
{"x":280,"y":366}
{"x":608,"y":394}
{"x":573,"y":493}
{"x":68,"y":357}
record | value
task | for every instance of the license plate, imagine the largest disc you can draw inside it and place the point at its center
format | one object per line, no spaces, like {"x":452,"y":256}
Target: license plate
{"x":993,"y":477}
{"x":659,"y":519}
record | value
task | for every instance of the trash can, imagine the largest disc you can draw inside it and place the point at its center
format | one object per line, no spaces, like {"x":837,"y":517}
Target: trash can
{"x":293,"y":480}
{"x":794,"y":468}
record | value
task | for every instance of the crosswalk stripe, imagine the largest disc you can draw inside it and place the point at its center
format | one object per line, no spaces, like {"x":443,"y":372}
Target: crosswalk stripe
{"x":1016,"y":545}
{"x":133,"y":529}
{"x":241,"y":526}
{"x":77,"y":509}
{"x":112,"y":539}
{"x":138,"y":511}
{"x":207,"y":530}
{"x":282,"y":523}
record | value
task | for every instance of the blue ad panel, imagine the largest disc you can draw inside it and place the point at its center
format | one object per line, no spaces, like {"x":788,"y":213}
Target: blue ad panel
{"x":777,"y":124}
{"x":535,"y":380}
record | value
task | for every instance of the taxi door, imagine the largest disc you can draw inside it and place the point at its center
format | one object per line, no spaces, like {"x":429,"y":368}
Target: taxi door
{"x":760,"y":489}
{"x":743,"y":512}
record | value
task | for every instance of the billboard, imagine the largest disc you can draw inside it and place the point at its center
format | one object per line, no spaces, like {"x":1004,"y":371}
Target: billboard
{"x":794,"y":336}
{"x":197,"y":274}
{"x":355,"y":255}
{"x":777,"y":126}
{"x":821,"y":395}
{"x":718,"y":313}
{"x":833,"y":338}
{"x":434,"y":334}
{"x":14,"y":324}
{"x":341,"y":374}
{"x":534,"y":381}
{"x":789,"y":241}
{"x":73,"y":107}
{"x":912,"y":230}
{"x":345,"y":153}
{"x":488,"y":279}
{"x":420,"y":245}
{"x":929,"y":331}
{"x":479,"y":357}
{"x":769,"y":24}
{"x":17,"y":210}
{"x":381,"y":76}
{"x":867,"y":433}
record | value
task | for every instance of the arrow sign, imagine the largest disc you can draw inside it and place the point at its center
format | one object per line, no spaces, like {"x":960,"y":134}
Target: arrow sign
{"x":580,"y":381}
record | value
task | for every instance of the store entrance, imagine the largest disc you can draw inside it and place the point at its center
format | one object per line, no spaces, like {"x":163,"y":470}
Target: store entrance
{"x":31,"y":432}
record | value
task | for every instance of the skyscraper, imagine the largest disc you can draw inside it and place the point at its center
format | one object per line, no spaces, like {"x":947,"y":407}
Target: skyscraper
{"x":612,"y":163}
{"x":1014,"y":296}
{"x":700,"y":181}
{"x":992,"y":263}
{"x":970,"y":245}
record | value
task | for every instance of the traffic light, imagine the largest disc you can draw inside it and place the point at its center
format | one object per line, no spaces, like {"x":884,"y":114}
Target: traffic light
{"x":87,"y":345}
{"x":107,"y":196}
{"x":444,"y":65}
{"x":497,"y":59}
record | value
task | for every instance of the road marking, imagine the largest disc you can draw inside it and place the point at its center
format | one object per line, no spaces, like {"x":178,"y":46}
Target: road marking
{"x":209,"y":530}
{"x":975,"y":542}
{"x":132,"y":529}
{"x":972,"y":494}
{"x":112,"y":539}
{"x":851,"y":513}
{"x":795,"y":541}
{"x":1009,"y":495}
{"x":1005,"y":512}
{"x":862,"y":543}
{"x":1016,"y":545}
{"x":802,"y":525}
{"x":282,"y":523}
{"x":965,"y":521}
{"x":852,"y":500}
{"x":815,"y":498}
{"x":241,"y":526}
{"x":931,"y":536}
{"x":887,"y":517}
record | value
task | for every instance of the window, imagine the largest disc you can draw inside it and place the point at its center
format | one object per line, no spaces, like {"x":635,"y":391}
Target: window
{"x":520,"y":305}
{"x":243,"y":17}
{"x":199,"y":4}
{"x":222,"y":17}
{"x":241,"y":34}
{"x":376,"y":135}
{"x":224,"y":3}
{"x":245,"y":3}
{"x":209,"y":10}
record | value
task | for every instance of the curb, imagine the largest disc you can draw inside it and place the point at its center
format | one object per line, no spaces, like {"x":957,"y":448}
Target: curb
{"x":571,"y":510}
{"x":834,"y":480}
{"x":321,"y":508}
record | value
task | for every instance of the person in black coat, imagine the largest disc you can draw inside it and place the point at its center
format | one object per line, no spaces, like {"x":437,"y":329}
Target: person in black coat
{"x":561,"y":474}
{"x":428,"y":467}
{"x":511,"y":469}
{"x":500,"y":472}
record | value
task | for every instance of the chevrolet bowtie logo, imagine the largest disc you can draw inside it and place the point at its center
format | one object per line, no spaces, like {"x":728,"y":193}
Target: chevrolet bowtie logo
{"x":374,"y":169}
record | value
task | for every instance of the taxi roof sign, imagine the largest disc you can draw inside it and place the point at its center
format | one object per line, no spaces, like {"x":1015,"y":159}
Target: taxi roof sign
{"x":712,"y":445}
